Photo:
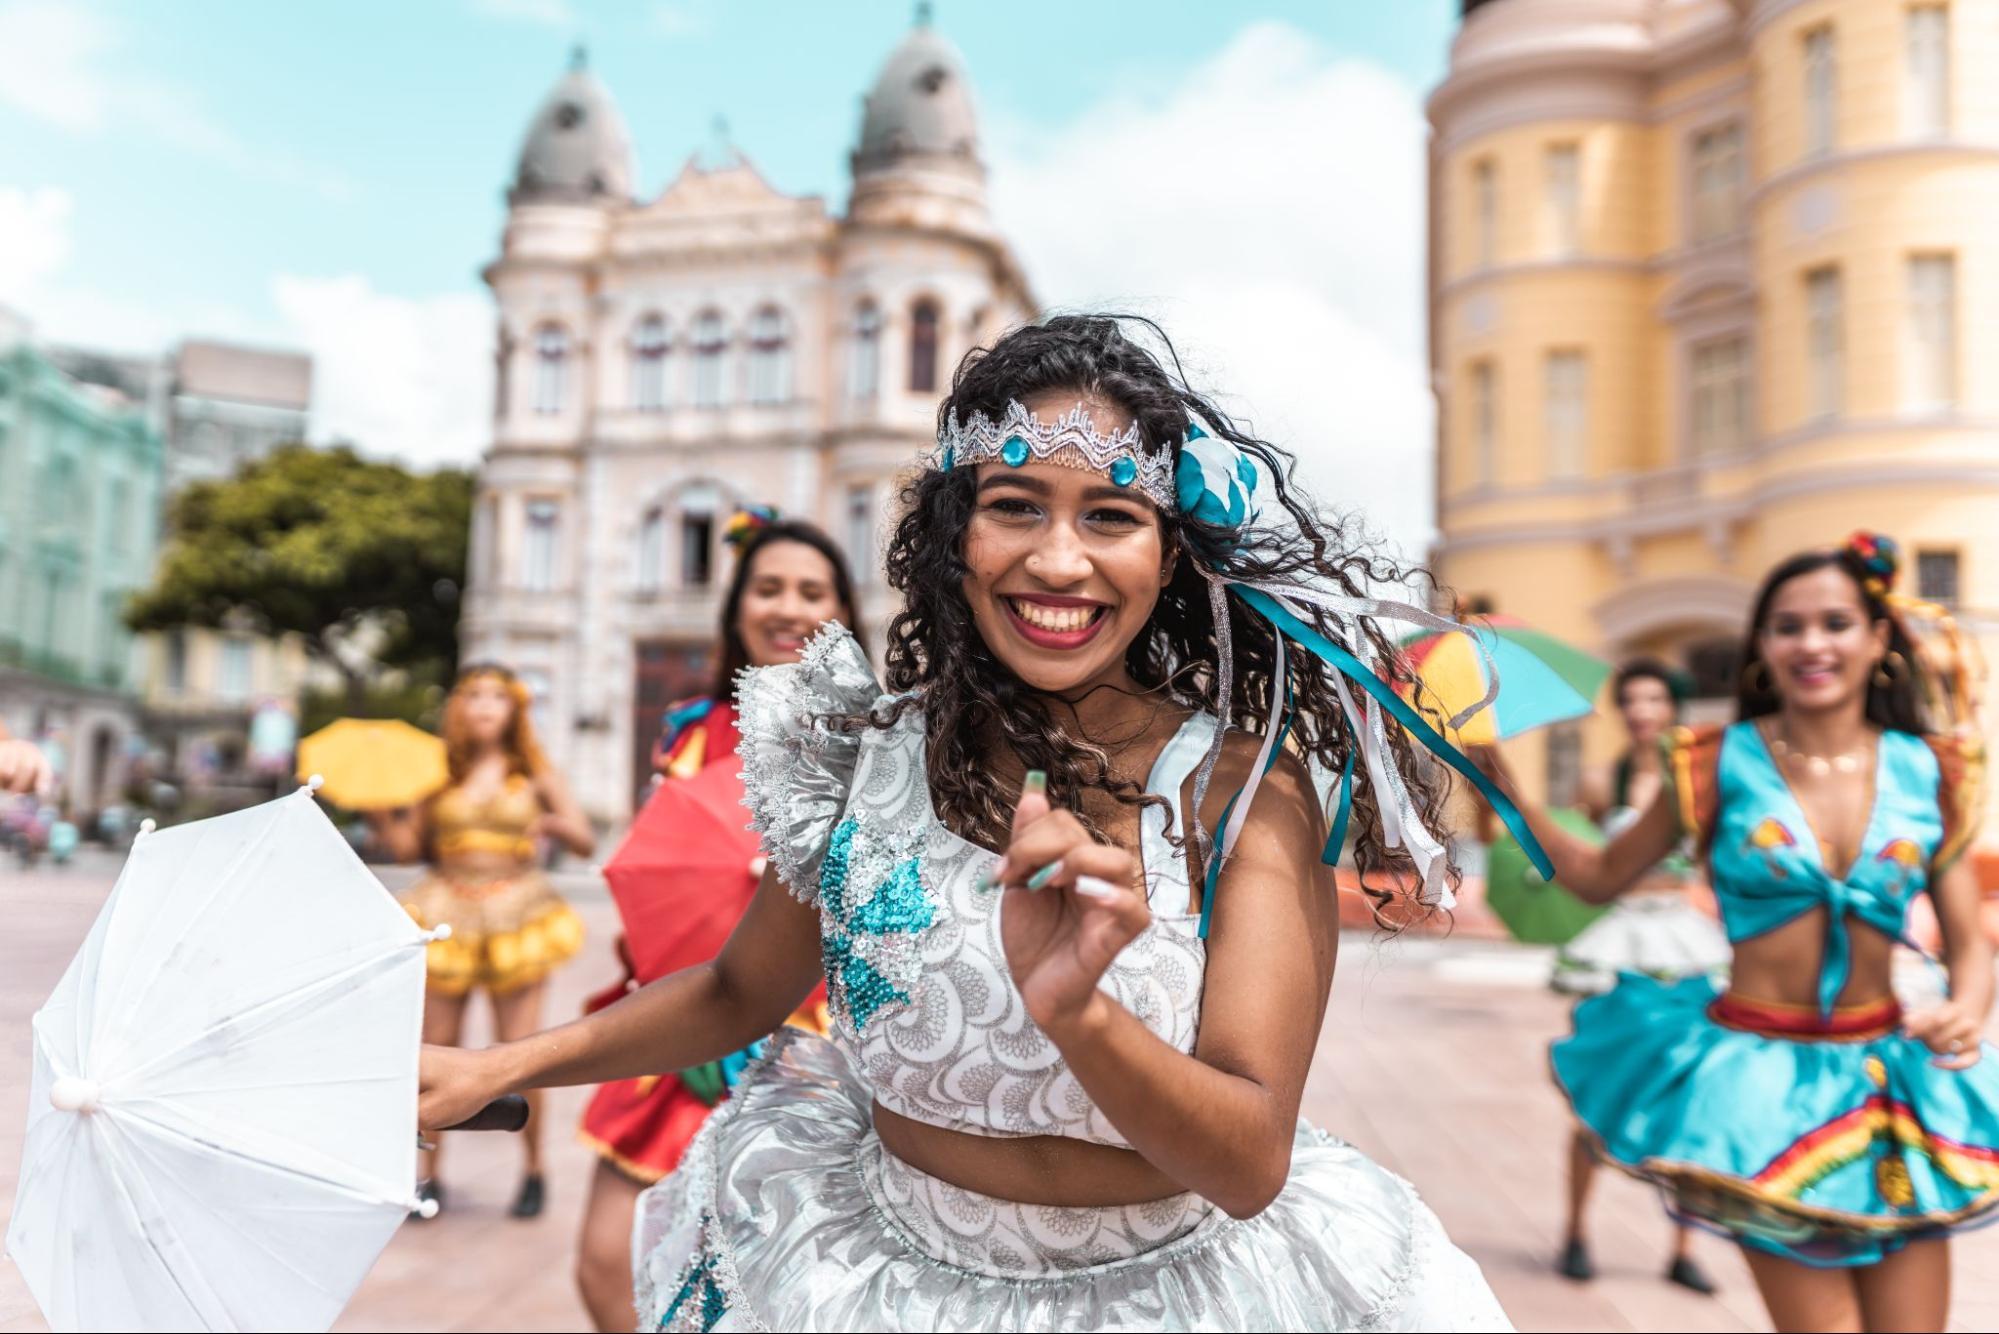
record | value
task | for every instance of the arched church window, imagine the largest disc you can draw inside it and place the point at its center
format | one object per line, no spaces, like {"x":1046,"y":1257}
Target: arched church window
{"x":864,"y":363}
{"x":770,"y":357}
{"x":923,"y":321}
{"x":711,"y":344}
{"x":551,"y":367}
{"x":649,"y":344}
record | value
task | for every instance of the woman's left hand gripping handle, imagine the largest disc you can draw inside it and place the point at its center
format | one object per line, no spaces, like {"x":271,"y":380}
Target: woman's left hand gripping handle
{"x":1071,"y":904}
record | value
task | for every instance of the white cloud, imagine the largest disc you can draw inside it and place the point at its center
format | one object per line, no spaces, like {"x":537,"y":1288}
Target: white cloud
{"x":549,"y":13}
{"x":681,"y":18}
{"x":1269,"y":210}
{"x":59,"y":64}
{"x":401,"y":377}
{"x":34,"y":239}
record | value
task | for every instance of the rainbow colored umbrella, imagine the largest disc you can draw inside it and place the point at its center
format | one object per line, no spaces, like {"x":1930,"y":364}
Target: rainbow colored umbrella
{"x":1542,"y":680}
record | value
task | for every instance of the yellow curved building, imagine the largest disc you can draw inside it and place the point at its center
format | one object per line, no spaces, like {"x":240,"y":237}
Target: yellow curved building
{"x":1712,"y":281}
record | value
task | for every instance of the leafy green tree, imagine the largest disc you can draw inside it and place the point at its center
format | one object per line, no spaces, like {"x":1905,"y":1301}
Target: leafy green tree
{"x":323,"y":543}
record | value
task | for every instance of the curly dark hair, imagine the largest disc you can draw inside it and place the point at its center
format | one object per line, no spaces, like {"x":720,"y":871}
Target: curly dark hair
{"x":971,"y":701}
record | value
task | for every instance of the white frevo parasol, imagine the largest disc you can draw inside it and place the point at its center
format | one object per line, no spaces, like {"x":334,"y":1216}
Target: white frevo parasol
{"x":222,"y":1118}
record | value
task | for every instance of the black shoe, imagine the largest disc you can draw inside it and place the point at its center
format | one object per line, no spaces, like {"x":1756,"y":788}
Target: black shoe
{"x":534,"y":1194}
{"x":1575,"y":1262}
{"x":1688,"y":1274}
{"x":428,"y":1192}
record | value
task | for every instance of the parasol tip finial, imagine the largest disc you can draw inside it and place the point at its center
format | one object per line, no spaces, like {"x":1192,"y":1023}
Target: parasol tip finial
{"x":442,"y":931}
{"x":314,"y":783}
{"x":148,"y":825}
{"x":426,"y":1208}
{"x":70,"y":1094}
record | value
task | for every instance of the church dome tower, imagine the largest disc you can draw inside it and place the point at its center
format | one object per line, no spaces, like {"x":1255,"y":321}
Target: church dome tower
{"x":918,"y":158}
{"x":577,"y":148}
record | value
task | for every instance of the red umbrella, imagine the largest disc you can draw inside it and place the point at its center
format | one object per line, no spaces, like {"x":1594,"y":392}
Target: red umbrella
{"x":685,"y":872}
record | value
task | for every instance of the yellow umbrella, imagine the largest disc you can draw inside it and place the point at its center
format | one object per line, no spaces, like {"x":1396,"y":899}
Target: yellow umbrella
{"x":372,"y":764}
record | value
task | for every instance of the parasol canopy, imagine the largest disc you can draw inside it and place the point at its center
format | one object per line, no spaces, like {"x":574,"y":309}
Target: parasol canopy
{"x":374,"y":764}
{"x":685,"y":872}
{"x":1543,"y":679}
{"x":222,"y":1112}
{"x":1537,"y":911}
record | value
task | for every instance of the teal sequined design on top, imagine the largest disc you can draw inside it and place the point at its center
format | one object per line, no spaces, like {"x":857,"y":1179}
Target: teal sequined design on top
{"x":888,"y":922}
{"x":1768,"y":867}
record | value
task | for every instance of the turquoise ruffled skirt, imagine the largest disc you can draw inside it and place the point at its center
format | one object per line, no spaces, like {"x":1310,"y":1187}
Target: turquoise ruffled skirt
{"x":1832,"y":1148}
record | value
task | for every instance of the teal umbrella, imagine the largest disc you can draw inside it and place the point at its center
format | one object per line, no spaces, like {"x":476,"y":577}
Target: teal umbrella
{"x":1537,"y":911}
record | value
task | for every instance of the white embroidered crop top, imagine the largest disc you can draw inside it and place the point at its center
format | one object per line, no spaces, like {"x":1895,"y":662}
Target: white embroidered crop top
{"x":920,"y":992}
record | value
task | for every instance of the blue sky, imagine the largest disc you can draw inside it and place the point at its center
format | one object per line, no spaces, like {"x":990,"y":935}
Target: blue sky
{"x":290,"y":172}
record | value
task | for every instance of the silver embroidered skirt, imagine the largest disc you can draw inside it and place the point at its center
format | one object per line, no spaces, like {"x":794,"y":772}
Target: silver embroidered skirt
{"x":787,"y":1213}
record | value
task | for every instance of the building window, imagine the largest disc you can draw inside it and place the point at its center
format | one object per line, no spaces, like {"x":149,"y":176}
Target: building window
{"x":1825,"y":342}
{"x":697,"y":546}
{"x":503,"y":373}
{"x":1718,"y":379}
{"x":649,"y":365}
{"x":770,"y":357}
{"x":544,"y":518}
{"x":551,"y":367}
{"x":652,"y":551}
{"x":1926,"y":88}
{"x":1718,"y":180}
{"x":120,"y":518}
{"x":1485,"y":423}
{"x":1821,"y":91}
{"x":232,"y":679}
{"x":176,"y":661}
{"x":864,"y":368}
{"x":1564,"y":199}
{"x":1936,"y":577}
{"x":1565,"y":764}
{"x":1716,"y":668}
{"x":710,"y":348}
{"x":1485,"y":211}
{"x":923,"y":321}
{"x":861,"y":531}
{"x":485,"y":534}
{"x":1930,"y":355}
{"x":1567,"y":408}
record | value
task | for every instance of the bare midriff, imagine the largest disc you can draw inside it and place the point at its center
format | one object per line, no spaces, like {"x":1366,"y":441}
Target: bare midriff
{"x":1032,"y":1169}
{"x":1781,"y":966}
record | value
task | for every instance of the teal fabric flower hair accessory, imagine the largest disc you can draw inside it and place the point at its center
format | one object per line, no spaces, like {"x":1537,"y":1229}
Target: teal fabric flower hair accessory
{"x":1215,"y":483}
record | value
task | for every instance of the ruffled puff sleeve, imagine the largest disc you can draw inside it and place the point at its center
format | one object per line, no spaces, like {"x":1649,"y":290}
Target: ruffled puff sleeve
{"x":798,"y":763}
{"x":1960,"y":793}
{"x":1693,"y":773}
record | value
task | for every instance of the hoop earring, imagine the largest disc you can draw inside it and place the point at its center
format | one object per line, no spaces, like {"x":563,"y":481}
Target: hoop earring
{"x":1885,"y":678}
{"x":1757,"y":669}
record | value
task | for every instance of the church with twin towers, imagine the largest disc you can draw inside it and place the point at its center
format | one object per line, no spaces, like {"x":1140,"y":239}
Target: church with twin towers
{"x":664,"y":361}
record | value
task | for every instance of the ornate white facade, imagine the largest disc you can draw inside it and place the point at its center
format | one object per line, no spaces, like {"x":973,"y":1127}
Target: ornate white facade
{"x":663,"y":362}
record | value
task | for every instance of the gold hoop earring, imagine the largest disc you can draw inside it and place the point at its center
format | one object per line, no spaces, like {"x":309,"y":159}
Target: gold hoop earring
{"x":1885,"y":678}
{"x":1757,"y":669}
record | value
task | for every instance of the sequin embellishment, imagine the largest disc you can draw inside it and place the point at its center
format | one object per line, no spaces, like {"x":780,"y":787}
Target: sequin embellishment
{"x":858,"y":944}
{"x":700,"y":1303}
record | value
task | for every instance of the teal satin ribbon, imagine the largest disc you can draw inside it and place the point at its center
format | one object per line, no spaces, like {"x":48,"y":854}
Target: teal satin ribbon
{"x":1340,"y":660}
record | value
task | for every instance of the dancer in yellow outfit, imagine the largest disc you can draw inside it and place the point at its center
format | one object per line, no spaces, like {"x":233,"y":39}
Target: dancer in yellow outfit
{"x":509,"y":928}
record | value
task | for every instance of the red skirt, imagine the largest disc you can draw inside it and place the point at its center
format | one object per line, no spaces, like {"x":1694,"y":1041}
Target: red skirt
{"x":642,"y":1126}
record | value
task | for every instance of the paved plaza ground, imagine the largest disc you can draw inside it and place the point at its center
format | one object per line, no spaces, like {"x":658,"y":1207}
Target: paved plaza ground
{"x":1432,"y":1061}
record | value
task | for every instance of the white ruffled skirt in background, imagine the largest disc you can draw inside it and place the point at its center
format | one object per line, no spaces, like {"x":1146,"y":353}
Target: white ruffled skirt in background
{"x":787,"y":1214}
{"x":1657,"y":932}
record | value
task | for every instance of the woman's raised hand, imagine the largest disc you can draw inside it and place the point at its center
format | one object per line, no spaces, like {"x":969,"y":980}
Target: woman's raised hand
{"x":1071,"y":904}
{"x":453,"y":1083}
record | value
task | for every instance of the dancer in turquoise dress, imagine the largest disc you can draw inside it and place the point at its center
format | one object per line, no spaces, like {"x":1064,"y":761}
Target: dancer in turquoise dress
{"x":1799,"y":1110}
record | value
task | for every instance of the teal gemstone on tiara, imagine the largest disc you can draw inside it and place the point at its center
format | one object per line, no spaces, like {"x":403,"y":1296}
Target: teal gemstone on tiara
{"x":1014,"y":451}
{"x":950,"y":456}
{"x":1124,"y":472}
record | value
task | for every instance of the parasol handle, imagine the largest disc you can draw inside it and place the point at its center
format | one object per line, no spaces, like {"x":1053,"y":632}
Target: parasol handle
{"x":509,"y":1113}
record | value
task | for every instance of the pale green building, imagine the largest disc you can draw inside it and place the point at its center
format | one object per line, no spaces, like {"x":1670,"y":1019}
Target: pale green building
{"x":80,"y":473}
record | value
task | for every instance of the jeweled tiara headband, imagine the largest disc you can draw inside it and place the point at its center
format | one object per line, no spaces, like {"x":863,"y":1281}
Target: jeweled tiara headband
{"x":1071,"y":441}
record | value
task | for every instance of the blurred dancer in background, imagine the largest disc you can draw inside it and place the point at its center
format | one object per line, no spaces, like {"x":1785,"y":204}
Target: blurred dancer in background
{"x":24,"y":770}
{"x":790,"y":579}
{"x":509,"y":928}
{"x":1653,"y":929}
{"x":1800,"y":1111}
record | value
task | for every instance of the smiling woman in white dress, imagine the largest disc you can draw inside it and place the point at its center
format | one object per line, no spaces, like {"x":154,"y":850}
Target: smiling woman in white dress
{"x":1078,"y":935}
